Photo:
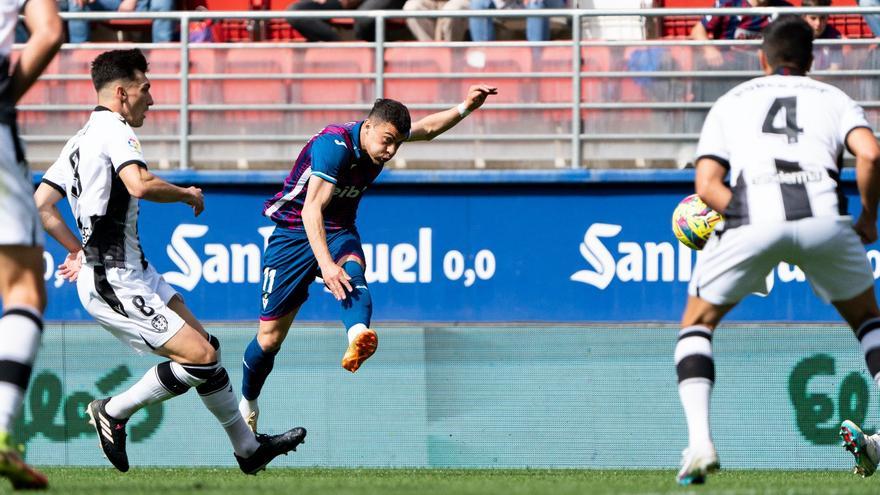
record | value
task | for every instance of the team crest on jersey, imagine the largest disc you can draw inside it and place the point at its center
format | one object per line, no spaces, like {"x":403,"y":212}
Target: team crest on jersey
{"x":159,"y":323}
{"x":134,"y":144}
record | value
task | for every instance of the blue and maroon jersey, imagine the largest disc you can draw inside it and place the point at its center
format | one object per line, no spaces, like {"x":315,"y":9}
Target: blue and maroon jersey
{"x":743,"y":27}
{"x":335,"y":155}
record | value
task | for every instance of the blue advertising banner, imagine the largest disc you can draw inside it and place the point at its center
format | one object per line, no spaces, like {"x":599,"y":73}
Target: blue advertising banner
{"x":459,"y":253}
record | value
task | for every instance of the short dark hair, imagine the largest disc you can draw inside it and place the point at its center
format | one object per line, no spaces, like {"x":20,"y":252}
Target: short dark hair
{"x":393,"y":112}
{"x":816,"y":3}
{"x":117,"y":64}
{"x":788,"y":43}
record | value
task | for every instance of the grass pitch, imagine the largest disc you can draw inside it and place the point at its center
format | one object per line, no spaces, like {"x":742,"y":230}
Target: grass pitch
{"x":314,"y":481}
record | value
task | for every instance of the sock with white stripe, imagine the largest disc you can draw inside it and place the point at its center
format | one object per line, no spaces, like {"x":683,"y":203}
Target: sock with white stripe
{"x":162,"y":382}
{"x":869,"y":339}
{"x":20,"y":331}
{"x":696,"y":375}
{"x":219,"y":397}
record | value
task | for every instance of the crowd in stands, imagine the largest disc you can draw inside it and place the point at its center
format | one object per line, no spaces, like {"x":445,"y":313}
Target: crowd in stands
{"x":479,"y":29}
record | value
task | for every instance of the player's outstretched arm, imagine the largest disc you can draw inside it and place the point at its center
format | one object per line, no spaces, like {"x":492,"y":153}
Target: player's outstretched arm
{"x":142,"y":184}
{"x":318,"y":196}
{"x":709,"y":184}
{"x":435,"y":124}
{"x":862,"y":143}
{"x":47,"y":34}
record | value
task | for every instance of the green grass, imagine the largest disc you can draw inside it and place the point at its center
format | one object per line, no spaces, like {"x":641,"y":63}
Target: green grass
{"x":94,"y":481}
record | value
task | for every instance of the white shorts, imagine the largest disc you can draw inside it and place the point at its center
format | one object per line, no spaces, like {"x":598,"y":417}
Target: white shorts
{"x":130,"y":304}
{"x":18,"y":214}
{"x":828,"y":250}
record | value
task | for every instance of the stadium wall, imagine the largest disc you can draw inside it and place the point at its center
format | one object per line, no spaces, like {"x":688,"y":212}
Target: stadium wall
{"x":597,"y":396}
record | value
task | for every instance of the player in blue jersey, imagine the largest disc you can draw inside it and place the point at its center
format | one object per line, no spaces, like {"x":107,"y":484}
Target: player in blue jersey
{"x":315,"y":231}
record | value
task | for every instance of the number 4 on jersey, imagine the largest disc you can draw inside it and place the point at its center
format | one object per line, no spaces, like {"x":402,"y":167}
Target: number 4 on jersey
{"x":791,"y":130}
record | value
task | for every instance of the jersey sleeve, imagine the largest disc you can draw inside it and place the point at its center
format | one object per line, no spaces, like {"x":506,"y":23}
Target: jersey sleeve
{"x":57,"y":176}
{"x":713,"y":22}
{"x":712,"y":139}
{"x":853,"y":117}
{"x":123,"y":148}
{"x":330,"y":154}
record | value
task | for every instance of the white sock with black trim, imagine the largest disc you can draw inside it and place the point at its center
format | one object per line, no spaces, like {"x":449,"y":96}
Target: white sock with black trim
{"x":696,"y":376}
{"x":21,"y":329}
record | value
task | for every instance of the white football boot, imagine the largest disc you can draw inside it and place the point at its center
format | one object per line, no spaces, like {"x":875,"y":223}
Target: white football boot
{"x":696,"y":464}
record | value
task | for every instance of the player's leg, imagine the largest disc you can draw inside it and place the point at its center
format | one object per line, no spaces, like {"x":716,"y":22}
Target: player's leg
{"x":252,"y":451}
{"x":695,"y":368}
{"x":731,"y":266}
{"x":258,"y":361}
{"x":289,"y":268}
{"x":863,"y":316}
{"x":21,"y":326}
{"x":836,"y":265}
{"x":357,"y":311}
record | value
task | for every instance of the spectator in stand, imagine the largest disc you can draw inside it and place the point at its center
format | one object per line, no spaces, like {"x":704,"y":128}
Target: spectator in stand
{"x":873,"y":20}
{"x":163,"y":30}
{"x":321,"y":30}
{"x":825,"y":57}
{"x":732,"y":28}
{"x":537,"y":28}
{"x":434,"y":28}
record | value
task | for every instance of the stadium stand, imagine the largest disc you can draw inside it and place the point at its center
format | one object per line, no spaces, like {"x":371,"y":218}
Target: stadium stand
{"x":851,"y":26}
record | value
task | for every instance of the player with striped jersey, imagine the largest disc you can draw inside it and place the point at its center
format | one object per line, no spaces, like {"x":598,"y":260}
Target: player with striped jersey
{"x":780,"y":139}
{"x":21,"y":241}
{"x":315,"y":232}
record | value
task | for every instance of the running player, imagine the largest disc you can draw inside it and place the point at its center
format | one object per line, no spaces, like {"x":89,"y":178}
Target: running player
{"x":781,"y":140}
{"x":315,"y":230}
{"x":21,"y":239}
{"x":103,"y":173}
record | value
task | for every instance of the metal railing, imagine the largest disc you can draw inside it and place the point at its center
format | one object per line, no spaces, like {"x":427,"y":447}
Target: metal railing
{"x":591,"y":115}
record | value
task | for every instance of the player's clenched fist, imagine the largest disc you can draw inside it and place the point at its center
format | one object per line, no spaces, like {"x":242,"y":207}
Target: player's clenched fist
{"x":196,"y":200}
{"x":477,"y":95}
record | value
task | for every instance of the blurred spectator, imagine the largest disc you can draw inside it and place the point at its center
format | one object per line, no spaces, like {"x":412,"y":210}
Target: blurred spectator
{"x":537,"y":28}
{"x":163,"y":30}
{"x":21,"y":32}
{"x":825,"y":57}
{"x":732,"y":28}
{"x":437,"y":29}
{"x":873,"y":20}
{"x":322,"y":30}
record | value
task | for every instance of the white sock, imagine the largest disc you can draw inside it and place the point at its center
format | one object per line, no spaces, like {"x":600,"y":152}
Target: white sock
{"x":695,"y":368}
{"x":220,"y":399}
{"x":356,"y":330}
{"x":694,"y":394}
{"x":148,"y":390}
{"x":20,"y":331}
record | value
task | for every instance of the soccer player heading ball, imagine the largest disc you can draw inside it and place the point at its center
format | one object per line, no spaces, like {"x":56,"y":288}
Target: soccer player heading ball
{"x":315,"y":231}
{"x":780,"y":138}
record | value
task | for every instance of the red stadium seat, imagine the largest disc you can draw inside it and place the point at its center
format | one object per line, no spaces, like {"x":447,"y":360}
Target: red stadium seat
{"x":335,"y":59}
{"x":419,"y":60}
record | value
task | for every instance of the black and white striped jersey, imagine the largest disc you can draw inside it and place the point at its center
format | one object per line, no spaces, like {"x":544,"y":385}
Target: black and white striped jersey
{"x":782,"y":138}
{"x":8,"y":21}
{"x":88,"y":173}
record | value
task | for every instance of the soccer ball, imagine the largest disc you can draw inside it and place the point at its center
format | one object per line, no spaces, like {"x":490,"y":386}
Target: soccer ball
{"x":693,"y":222}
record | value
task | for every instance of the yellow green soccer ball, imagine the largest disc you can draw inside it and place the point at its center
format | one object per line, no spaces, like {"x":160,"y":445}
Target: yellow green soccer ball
{"x":693,"y":222}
